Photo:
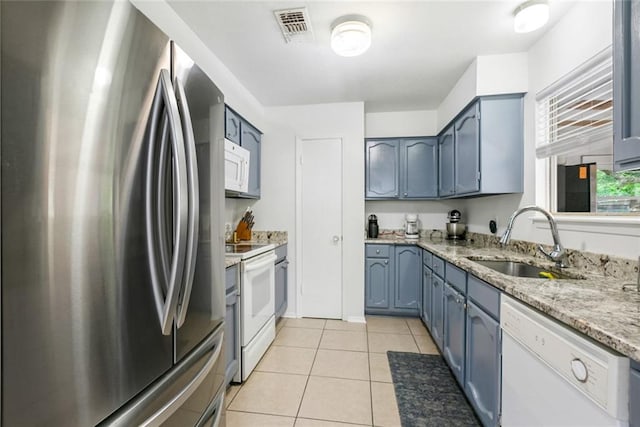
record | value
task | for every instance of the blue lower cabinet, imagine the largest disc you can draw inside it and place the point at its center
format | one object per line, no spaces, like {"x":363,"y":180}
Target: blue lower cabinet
{"x":393,"y":279}
{"x":378,"y":274}
{"x":634,"y":395}
{"x":454,"y":328}
{"x":426,"y":296}
{"x":437,"y":310}
{"x":232,"y":327}
{"x":482,"y":368}
{"x":408,"y":277}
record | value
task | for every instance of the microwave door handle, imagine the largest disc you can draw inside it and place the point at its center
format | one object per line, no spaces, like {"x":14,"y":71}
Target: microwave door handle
{"x":166,"y":297}
{"x":194,"y":203}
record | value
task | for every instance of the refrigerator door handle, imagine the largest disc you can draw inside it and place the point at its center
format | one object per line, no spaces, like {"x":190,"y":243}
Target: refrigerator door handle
{"x":194,"y":203}
{"x":165,"y":284}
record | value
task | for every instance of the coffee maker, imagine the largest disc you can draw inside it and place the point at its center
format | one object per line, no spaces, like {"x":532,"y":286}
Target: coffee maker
{"x":411,"y":227}
{"x":372,"y":230}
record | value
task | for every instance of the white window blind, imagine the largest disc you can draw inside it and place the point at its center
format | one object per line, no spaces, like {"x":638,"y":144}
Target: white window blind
{"x":575,"y":113}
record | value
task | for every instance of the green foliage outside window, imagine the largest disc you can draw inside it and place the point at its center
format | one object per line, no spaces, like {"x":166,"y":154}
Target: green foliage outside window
{"x":620,"y":184}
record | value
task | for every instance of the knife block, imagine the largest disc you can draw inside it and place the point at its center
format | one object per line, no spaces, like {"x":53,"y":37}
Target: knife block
{"x":243,"y":231}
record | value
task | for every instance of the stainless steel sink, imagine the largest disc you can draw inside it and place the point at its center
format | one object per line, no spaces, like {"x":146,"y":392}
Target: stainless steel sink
{"x":520,"y":269}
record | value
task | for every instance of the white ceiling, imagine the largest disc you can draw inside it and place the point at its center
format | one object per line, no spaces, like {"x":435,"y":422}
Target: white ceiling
{"x":419,"y":48}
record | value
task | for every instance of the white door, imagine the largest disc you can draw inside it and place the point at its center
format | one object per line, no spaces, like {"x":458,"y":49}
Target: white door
{"x":320,"y":227}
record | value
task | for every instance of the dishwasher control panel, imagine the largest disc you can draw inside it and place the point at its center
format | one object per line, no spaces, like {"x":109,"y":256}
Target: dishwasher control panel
{"x":598,"y":372}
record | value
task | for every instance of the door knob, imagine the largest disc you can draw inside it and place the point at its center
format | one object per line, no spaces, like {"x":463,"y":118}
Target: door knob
{"x":336,"y":239}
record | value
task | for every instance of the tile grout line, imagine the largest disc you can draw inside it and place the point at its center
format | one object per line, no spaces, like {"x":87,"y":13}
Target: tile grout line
{"x":370,"y":382}
{"x":306,"y":384}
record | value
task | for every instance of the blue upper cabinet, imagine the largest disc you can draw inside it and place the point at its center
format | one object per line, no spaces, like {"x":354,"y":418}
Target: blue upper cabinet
{"x":250,"y":138}
{"x":382,"y":169}
{"x":626,"y":85}
{"x":401,"y":168}
{"x":467,"y":159}
{"x":419,"y":168}
{"x":482,"y":151}
{"x":446,"y":162}
{"x":232,"y":125}
{"x":241,"y":132}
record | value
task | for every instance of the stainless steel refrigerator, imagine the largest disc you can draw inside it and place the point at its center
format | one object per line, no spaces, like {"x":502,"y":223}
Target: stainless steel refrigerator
{"x":112,"y":196}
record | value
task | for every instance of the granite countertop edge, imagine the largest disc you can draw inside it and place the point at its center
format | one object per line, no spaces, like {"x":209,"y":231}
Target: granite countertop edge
{"x":230,"y":261}
{"x":595,"y":306}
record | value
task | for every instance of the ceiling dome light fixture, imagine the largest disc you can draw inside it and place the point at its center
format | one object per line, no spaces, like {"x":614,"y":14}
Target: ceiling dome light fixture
{"x":530,"y":16}
{"x":350,"y":35}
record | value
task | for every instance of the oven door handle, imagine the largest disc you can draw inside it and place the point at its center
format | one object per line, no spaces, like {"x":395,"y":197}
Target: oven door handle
{"x":259,"y":264}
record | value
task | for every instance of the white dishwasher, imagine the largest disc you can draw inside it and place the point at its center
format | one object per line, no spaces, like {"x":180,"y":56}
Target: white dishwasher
{"x":553,"y":376}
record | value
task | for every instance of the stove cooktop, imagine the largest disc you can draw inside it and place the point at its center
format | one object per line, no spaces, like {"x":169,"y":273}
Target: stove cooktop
{"x":247,"y":250}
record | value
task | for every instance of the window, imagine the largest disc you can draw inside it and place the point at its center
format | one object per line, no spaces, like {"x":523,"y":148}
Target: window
{"x":574,"y":134}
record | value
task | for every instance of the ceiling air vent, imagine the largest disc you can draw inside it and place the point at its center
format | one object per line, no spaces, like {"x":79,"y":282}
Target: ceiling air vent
{"x":295,"y":24}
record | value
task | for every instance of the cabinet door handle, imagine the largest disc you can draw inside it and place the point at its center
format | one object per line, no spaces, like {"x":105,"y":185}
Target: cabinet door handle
{"x":386,"y":261}
{"x":377,"y":251}
{"x":406,"y":194}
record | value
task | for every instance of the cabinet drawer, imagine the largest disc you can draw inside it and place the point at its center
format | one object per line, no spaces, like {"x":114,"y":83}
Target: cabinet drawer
{"x":378,"y":251}
{"x":427,"y":258}
{"x":437,"y":265}
{"x":456,"y":277}
{"x":231,"y":278}
{"x":485,"y":296}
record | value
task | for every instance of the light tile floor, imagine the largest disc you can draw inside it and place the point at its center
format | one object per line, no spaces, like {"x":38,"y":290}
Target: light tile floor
{"x":322,"y":373}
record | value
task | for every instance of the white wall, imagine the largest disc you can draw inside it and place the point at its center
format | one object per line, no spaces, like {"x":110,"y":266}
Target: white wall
{"x":431,"y":215}
{"x":236,"y":95}
{"x":487,"y":75}
{"x":276,"y":209}
{"x":401,"y":123}
{"x":461,"y":94}
{"x":500,"y":74}
{"x":583,"y":32}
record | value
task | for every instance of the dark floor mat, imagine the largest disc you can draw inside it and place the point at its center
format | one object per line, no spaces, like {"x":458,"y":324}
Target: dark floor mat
{"x":427,"y":392}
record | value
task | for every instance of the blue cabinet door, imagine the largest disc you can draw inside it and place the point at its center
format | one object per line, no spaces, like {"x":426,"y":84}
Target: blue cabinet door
{"x":626,"y":85}
{"x":382,"y":167}
{"x":419,"y":168}
{"x":467,"y":151}
{"x":453,"y":336}
{"x":408,"y":277}
{"x":482,"y":368}
{"x":634,"y":395}
{"x":446,"y":163}
{"x":250,"y":139}
{"x":281,"y":287}
{"x":426,"y":296}
{"x":377,"y":283}
{"x":231,"y":125}
{"x":437,"y":310}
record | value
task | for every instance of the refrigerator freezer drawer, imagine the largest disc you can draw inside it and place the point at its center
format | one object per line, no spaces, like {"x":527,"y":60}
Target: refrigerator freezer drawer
{"x":186,"y":390}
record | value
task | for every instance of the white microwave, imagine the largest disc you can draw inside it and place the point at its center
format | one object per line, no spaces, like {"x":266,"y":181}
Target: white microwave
{"x":236,"y":167}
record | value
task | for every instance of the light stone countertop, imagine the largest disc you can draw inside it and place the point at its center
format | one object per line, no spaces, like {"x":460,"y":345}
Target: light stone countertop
{"x":596,"y":306}
{"x":277,"y":238}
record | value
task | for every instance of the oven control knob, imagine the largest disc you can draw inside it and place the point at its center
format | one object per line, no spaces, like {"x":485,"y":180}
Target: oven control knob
{"x":579,"y":370}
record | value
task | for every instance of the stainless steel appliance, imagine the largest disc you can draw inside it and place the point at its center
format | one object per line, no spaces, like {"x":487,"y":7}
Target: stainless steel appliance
{"x":455,"y":229}
{"x":411,"y":227}
{"x":112,"y":172}
{"x":372,"y":230}
{"x":257,"y":301}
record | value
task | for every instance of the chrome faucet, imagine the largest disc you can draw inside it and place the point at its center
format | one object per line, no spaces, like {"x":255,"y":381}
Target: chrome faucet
{"x":557,"y":255}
